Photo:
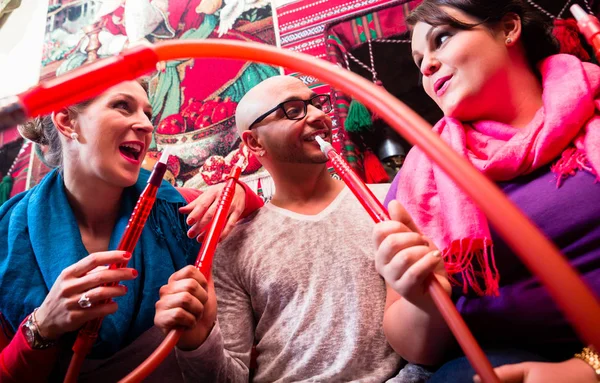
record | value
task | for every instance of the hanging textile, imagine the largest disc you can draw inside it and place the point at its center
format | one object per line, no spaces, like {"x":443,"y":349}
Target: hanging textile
{"x":345,"y":36}
{"x":8,"y":181}
{"x":304,"y":27}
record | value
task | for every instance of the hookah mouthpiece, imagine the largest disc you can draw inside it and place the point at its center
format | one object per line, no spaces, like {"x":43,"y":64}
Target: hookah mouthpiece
{"x":240,"y":162}
{"x":164,"y":157}
{"x":324,"y":145}
{"x":160,"y":168}
{"x":578,"y":12}
{"x":589,"y":27}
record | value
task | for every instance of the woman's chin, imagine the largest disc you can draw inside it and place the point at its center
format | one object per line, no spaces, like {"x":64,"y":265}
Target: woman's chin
{"x":451,"y":114}
{"x":126,"y":178}
{"x":468,"y":107}
{"x":460,"y":112}
{"x":450,"y":108}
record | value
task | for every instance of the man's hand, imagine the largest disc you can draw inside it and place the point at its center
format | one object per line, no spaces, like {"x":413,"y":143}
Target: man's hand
{"x":187,"y":302}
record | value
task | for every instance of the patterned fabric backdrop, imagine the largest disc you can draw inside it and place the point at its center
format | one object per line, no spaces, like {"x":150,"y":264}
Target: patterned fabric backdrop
{"x":193,"y":100}
{"x":304,"y":27}
{"x":184,"y":92}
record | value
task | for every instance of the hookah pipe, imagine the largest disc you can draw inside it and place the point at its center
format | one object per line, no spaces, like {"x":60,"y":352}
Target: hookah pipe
{"x":88,"y":334}
{"x":589,"y":26}
{"x":81,"y":84}
{"x":203,"y":263}
{"x":579,"y":304}
{"x":378,"y":213}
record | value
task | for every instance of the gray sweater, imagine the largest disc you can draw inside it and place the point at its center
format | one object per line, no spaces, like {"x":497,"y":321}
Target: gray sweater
{"x":303,"y":289}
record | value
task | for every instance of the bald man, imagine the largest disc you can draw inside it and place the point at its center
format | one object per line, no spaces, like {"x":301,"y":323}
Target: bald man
{"x":297,"y":278}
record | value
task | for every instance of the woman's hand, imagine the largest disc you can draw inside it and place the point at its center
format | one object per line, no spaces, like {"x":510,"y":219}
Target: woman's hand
{"x":572,"y":370}
{"x":188,"y":302}
{"x":202,"y":210}
{"x":61,"y":313}
{"x":405,"y":258}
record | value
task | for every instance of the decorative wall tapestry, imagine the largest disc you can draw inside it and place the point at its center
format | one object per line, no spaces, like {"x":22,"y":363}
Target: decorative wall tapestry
{"x":370,"y":28}
{"x":304,"y":27}
{"x":193,"y":100}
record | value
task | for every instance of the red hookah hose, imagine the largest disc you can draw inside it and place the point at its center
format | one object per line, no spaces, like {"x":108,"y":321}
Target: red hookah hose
{"x":457,"y":325}
{"x":204,"y":264}
{"x":89,"y":333}
{"x":589,"y":26}
{"x":575,"y":299}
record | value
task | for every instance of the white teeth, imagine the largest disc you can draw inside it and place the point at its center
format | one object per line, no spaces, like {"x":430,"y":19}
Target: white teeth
{"x":135,"y":147}
{"x":312,"y":136}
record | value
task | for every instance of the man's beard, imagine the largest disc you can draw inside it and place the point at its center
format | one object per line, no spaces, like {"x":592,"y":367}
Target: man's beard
{"x":296,"y":156}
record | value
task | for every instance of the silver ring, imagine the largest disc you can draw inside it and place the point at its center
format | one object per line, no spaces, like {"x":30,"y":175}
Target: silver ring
{"x":84,"y":301}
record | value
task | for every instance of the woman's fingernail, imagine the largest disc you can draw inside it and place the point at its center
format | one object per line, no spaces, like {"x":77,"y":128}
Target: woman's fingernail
{"x":127,"y":255}
{"x":134,"y":272}
{"x":436,"y":254}
{"x":124,"y":287}
{"x":191,"y":233}
{"x":191,"y":221}
{"x":425,"y":241}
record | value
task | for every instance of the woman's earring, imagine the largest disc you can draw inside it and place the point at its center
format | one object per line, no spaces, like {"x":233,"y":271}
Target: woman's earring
{"x":74,"y":136}
{"x":508,"y":40}
{"x":261,"y":153}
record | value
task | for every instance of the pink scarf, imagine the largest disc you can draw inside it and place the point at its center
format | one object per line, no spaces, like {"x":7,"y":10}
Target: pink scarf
{"x":568,"y":125}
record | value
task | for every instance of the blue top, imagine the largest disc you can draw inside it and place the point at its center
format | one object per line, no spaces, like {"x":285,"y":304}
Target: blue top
{"x":39,"y":237}
{"x":524,"y":316}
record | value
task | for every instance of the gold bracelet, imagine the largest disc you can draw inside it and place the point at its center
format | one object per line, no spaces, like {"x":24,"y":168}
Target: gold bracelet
{"x":592,"y":358}
{"x":37,"y":326}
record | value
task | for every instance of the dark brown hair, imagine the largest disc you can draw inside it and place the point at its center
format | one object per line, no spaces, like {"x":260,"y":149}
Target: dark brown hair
{"x":536,"y":34}
{"x":42,"y":131}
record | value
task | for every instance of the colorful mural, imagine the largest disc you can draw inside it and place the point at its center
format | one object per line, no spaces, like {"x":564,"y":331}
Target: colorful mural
{"x":193,"y":100}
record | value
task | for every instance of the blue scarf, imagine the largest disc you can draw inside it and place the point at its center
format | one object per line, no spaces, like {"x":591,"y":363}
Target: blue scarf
{"x":39,"y":237}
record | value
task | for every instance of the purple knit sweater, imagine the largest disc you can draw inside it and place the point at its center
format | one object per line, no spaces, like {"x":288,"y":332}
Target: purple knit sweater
{"x":524,"y":316}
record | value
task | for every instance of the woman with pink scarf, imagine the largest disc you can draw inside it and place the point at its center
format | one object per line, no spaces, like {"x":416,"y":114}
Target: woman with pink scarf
{"x":528,"y":119}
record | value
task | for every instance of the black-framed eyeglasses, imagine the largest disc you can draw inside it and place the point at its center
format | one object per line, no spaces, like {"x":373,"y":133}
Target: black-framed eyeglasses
{"x":296,"y":109}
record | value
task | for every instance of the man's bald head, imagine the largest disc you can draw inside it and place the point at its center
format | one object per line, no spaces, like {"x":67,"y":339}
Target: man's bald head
{"x":264,"y":96}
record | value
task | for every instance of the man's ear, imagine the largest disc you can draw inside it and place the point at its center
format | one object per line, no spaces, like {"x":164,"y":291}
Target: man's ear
{"x":64,"y":122}
{"x":511,"y":28}
{"x":253,"y":143}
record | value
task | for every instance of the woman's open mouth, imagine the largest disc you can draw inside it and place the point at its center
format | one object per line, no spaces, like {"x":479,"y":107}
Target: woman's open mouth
{"x":131,"y":151}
